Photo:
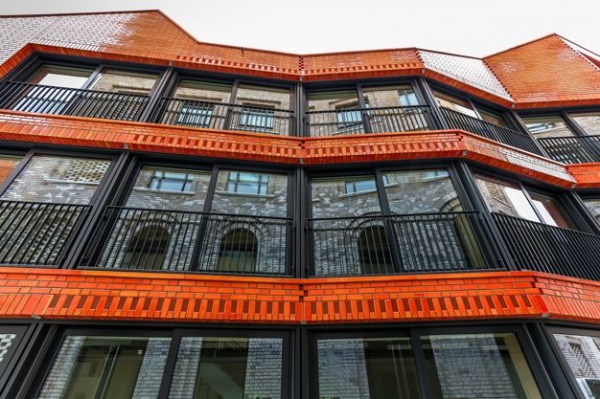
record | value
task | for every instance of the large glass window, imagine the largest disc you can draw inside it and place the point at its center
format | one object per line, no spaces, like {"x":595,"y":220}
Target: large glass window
{"x":477,"y":366}
{"x":7,"y":164}
{"x":582,"y":355}
{"x":542,"y":127}
{"x":88,"y":367}
{"x":588,"y":121}
{"x":375,"y":368}
{"x":512,"y":199}
{"x":228,"y":368}
{"x":455,"y":104}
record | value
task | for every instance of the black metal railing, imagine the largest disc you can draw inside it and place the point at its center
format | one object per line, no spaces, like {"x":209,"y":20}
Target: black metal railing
{"x":419,"y":243}
{"x":150,"y":239}
{"x":550,"y":249}
{"x":457,"y":120}
{"x":214,"y":115}
{"x":27,"y":97}
{"x":582,"y":149}
{"x":368,"y":120}
{"x":36,"y":233}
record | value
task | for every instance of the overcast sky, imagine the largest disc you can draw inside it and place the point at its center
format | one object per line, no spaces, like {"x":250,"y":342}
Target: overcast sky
{"x":469,"y":27}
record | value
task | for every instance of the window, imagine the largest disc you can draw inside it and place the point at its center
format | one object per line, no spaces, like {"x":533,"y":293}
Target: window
{"x":455,"y":104}
{"x":547,"y":126}
{"x":407,"y":97}
{"x":257,"y":118}
{"x":588,"y":121}
{"x":247,"y":183}
{"x":238,"y":251}
{"x":582,"y":354}
{"x":195,"y":114}
{"x":147,"y":248}
{"x":349,"y":116}
{"x":360,"y":185}
{"x":7,"y":164}
{"x":228,"y":367}
{"x":89,"y":367}
{"x":514,"y":200}
{"x":374,"y":252}
{"x":171,"y":181}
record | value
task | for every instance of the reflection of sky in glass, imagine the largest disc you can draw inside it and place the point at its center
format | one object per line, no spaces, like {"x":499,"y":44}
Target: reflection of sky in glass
{"x":54,"y":79}
{"x":520,"y":204}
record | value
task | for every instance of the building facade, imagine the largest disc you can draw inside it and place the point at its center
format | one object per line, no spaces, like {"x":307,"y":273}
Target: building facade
{"x":187,"y":220}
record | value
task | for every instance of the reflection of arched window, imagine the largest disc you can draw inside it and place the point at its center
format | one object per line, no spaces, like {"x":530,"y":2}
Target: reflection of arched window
{"x":373,"y":251}
{"x":147,"y":248}
{"x":238,"y":251}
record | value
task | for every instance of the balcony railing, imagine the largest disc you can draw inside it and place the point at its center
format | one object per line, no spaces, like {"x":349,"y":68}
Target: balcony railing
{"x":214,"y":115}
{"x":368,"y":120}
{"x":419,"y":243}
{"x":29,"y":97}
{"x":458,"y":120}
{"x":572,"y":149}
{"x":35,"y":233}
{"x":149,"y":239}
{"x":550,"y":249}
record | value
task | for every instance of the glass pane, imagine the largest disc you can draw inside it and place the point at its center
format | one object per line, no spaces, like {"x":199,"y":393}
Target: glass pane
{"x":390,"y":96}
{"x":582,"y":354}
{"x":228,"y":368}
{"x":421,"y":191}
{"x":547,"y":126}
{"x":263,"y":96}
{"x":61,"y":77}
{"x":366,"y":369}
{"x":550,"y":210}
{"x":6,"y":341}
{"x":107,"y":367}
{"x":506,"y":198}
{"x":455,"y":104}
{"x":52,"y":179}
{"x":249,"y":193}
{"x":7,"y":164}
{"x":491,"y":117}
{"x":593,"y":205}
{"x":343,"y":197}
{"x":478,"y":366}
{"x":589,"y":121}
{"x":335,"y":113}
{"x":166,"y":188}
{"x":128,"y":82}
{"x":203,"y":91}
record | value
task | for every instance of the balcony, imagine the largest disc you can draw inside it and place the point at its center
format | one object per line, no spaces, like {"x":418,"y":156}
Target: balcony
{"x":222,"y":116}
{"x":550,"y":249}
{"x":368,"y":120}
{"x":36,"y":233}
{"x":167,"y":240}
{"x":397,"y":244}
{"x":573,"y":149}
{"x":458,"y":120}
{"x":27,"y":97}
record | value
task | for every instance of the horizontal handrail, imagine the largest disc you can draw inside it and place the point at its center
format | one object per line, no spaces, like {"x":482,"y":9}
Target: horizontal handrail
{"x":37,"y":233}
{"x":574,"y":149}
{"x":550,"y":249}
{"x":368,"y":120}
{"x":28,"y":97}
{"x":458,"y":120}
{"x":216,"y":115}
{"x":423,"y":243}
{"x":154,"y":239}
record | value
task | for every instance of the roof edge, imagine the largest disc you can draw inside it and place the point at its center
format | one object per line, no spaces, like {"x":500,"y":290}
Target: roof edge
{"x":521,"y":45}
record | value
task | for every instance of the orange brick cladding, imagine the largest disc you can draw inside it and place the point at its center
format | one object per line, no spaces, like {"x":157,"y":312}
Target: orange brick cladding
{"x":87,"y":132}
{"x":108,"y":295}
{"x":561,"y":76}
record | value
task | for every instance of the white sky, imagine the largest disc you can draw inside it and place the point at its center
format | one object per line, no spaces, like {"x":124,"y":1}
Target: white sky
{"x":469,"y":27}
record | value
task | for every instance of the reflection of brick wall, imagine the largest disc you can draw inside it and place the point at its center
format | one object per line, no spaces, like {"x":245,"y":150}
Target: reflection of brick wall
{"x":52,"y":179}
{"x":471,"y":368}
{"x":153,"y":364}
{"x":6,"y":167}
{"x":581,"y":353}
{"x":342,"y":369}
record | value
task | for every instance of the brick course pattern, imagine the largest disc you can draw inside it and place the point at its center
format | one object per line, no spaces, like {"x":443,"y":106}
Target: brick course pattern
{"x":87,"y":132}
{"x":108,"y":295}
{"x":150,"y":37}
